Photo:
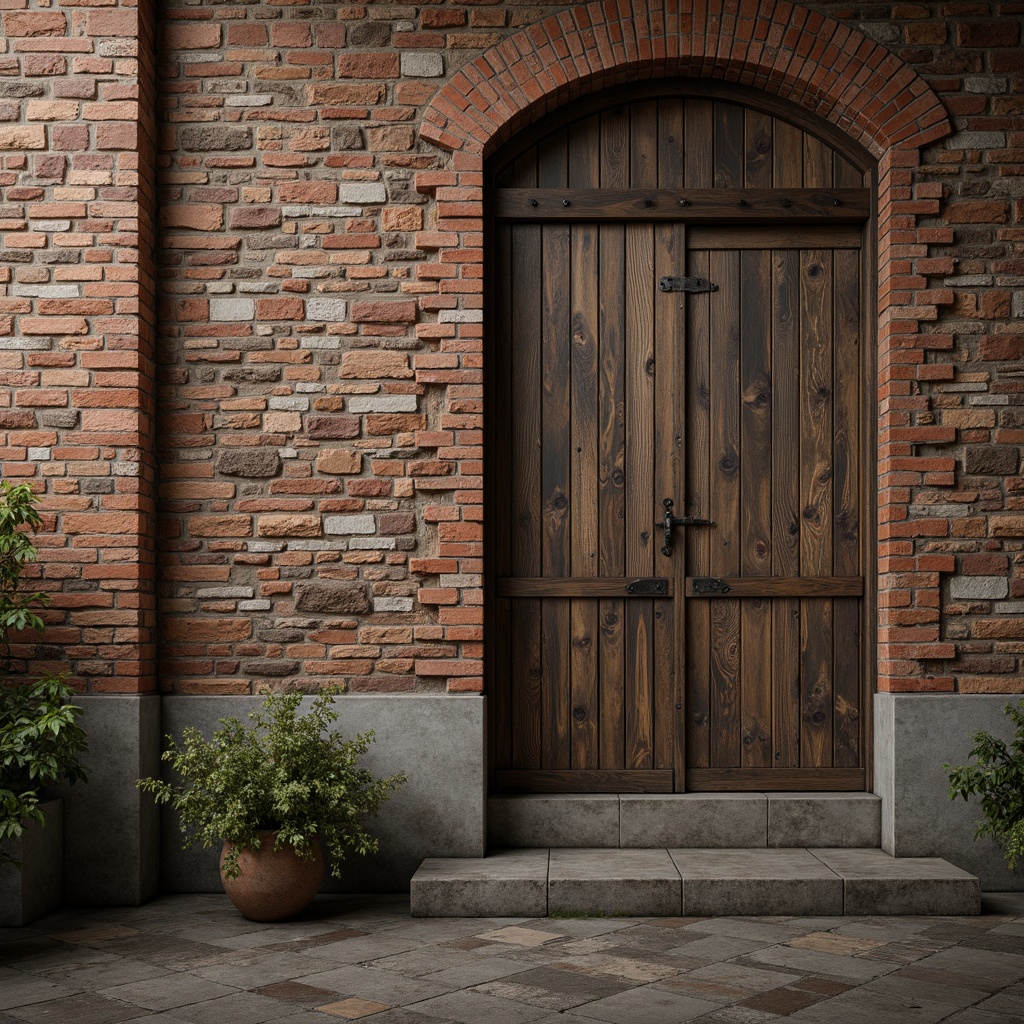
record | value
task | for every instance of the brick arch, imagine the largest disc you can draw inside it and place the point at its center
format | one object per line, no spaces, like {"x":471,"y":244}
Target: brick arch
{"x":810,"y":59}
{"x":814,"y":61}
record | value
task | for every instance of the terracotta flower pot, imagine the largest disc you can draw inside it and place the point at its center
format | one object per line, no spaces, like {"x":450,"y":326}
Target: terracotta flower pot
{"x":273,"y":885}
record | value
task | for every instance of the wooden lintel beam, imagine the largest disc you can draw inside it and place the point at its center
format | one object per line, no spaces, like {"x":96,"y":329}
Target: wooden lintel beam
{"x":721,"y":205}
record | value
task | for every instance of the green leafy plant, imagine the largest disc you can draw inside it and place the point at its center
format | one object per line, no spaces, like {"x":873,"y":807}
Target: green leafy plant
{"x":40,"y":742}
{"x":18,"y":516}
{"x":997,"y":776}
{"x":283,"y":772}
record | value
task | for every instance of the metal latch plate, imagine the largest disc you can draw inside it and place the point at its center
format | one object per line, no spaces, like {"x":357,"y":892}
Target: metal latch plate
{"x":708,"y":585}
{"x":651,"y":587}
{"x":686,"y":284}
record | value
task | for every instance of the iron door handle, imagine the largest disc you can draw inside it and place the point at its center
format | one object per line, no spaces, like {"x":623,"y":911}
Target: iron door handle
{"x":669,"y":521}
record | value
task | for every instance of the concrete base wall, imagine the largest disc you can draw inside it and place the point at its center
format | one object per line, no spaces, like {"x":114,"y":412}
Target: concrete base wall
{"x":914,"y":735}
{"x":111,"y":830}
{"x":34,"y":886}
{"x":438,"y":741}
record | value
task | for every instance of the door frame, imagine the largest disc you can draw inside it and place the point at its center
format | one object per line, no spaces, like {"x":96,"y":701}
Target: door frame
{"x":778,"y":107}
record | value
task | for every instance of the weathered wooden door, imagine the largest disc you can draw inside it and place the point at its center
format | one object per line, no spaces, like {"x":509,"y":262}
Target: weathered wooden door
{"x":676,"y":316}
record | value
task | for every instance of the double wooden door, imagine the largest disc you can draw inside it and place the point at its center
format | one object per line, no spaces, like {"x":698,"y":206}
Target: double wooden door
{"x":654,"y":341}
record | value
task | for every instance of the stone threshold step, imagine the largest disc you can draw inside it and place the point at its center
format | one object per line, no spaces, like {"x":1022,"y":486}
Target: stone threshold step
{"x":691,"y":882}
{"x":674,"y":820}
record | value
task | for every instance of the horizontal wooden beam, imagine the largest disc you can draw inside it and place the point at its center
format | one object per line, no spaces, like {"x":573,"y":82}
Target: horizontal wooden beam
{"x":748,"y":780}
{"x":722,"y":205}
{"x":777,"y":586}
{"x":584,"y":781}
{"x":774,"y":236}
{"x":583,"y":586}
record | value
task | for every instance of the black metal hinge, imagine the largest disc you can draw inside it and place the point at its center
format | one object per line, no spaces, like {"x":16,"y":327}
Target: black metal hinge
{"x":708,"y":585}
{"x":686,"y":284}
{"x":652,"y":587}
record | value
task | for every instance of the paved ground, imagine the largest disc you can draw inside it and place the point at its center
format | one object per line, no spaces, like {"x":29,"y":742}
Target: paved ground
{"x":193,"y":960}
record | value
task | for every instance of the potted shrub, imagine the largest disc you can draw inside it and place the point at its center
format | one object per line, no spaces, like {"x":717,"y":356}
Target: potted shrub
{"x":997,"y":776}
{"x":272,"y":792}
{"x":40,"y":740}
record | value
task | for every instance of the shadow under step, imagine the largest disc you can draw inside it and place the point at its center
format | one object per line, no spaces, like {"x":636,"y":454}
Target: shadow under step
{"x":693,"y":883}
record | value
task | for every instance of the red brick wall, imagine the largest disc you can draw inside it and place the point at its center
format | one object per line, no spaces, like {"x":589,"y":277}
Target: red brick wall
{"x":320,"y":337}
{"x":76,"y":328}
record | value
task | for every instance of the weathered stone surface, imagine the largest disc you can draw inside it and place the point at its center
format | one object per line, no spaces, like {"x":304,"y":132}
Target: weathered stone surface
{"x":209,"y":629}
{"x":269,"y":667}
{"x":251,"y":462}
{"x":289,"y":526}
{"x":332,"y":427}
{"x":208,"y":138}
{"x":336,"y":598}
{"x":991,"y":459}
{"x":370,"y":33}
{"x":339,"y":460}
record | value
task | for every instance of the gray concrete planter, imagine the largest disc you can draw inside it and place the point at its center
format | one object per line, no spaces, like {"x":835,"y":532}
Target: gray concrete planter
{"x":38,"y":886}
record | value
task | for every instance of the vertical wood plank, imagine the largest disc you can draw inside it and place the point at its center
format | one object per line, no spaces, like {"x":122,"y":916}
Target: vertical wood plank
{"x":728,"y":145}
{"x":817,"y":163}
{"x":847,"y":503}
{"x":555,"y":484}
{"x":816,"y":471}
{"x":499,"y":452}
{"x":527,"y":672}
{"x":699,"y":156}
{"x":785,"y":503}
{"x":614,"y":170}
{"x":725,"y":503}
{"x":758,"y":155}
{"x":584,"y":499}
{"x":671,"y":172}
{"x":698,"y":542}
{"x":643,"y":145}
{"x":668,"y":427}
{"x":612,"y":656}
{"x":640,"y":489}
{"x":755,"y":535}
{"x":787,"y":155}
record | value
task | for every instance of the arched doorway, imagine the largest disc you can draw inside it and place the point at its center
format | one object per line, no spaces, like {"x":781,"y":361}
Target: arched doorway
{"x":677,"y":312}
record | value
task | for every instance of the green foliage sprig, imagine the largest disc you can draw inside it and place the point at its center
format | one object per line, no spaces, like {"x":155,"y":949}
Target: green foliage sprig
{"x":18,"y":516}
{"x":39,"y":745}
{"x":997,"y":776}
{"x":40,"y":739}
{"x":283,"y":772}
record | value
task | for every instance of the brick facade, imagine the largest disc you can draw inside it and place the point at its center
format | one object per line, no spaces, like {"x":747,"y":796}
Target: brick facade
{"x":317,"y":455}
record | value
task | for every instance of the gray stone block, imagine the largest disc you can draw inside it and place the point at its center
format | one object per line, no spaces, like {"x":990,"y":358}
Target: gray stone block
{"x":437,"y":740}
{"x":36,"y":887}
{"x":914,"y":734}
{"x":111,"y":830}
{"x":719,"y":882}
{"x":824,"y":819}
{"x":506,"y":883}
{"x":875,"y":883}
{"x":693,"y":820}
{"x":631,"y":882}
{"x":553,"y":820}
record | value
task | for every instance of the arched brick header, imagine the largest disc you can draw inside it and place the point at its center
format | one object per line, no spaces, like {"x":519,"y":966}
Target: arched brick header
{"x":815,"y":61}
{"x":824,"y":66}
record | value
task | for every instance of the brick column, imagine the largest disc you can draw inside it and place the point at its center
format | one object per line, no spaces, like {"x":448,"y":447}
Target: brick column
{"x":76,"y":330}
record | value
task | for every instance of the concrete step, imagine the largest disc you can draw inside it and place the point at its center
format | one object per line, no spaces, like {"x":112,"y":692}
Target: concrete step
{"x":642,"y":821}
{"x":708,"y":882}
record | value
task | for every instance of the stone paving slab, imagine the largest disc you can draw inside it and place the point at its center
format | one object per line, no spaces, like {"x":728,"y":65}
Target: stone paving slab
{"x":520,"y":970}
